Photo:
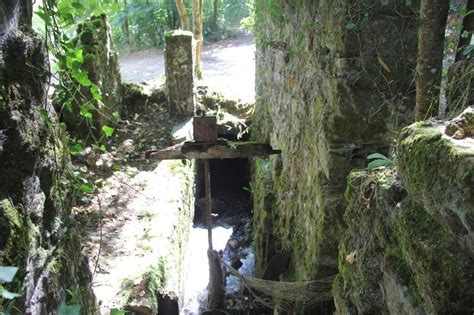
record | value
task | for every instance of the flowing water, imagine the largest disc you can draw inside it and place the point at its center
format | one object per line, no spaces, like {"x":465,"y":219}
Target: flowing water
{"x":196,"y":276}
{"x":197,"y":267}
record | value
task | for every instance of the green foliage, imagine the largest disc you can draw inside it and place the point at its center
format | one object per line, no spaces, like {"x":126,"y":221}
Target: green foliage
{"x":378,"y":160}
{"x":108,"y":131}
{"x":6,"y":276}
{"x":75,"y":95}
{"x":65,"y":309}
{"x":143,"y":24}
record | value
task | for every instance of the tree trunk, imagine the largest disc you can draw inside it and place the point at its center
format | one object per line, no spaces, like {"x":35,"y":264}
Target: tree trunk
{"x":466,"y":31}
{"x":433,"y":16}
{"x":125,"y":27}
{"x":215,"y":15}
{"x":26,"y":12}
{"x":197,"y":29}
{"x":183,"y":15}
{"x":20,"y":11}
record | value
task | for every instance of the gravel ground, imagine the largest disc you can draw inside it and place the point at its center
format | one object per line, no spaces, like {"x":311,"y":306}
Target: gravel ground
{"x":228,"y":66}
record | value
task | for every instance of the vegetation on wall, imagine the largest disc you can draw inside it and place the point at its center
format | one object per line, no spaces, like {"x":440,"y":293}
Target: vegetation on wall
{"x":333,"y":86}
{"x":319,"y":66}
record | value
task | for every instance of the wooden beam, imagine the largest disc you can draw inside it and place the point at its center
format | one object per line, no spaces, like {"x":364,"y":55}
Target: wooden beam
{"x":214,"y":150}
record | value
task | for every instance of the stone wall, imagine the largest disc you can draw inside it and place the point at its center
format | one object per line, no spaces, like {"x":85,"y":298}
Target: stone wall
{"x":37,"y":232}
{"x":334,"y":83}
{"x":409,"y":247}
{"x":158,"y":288}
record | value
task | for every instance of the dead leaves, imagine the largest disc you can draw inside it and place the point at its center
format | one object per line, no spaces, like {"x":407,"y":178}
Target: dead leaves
{"x":293,"y":80}
{"x":351,"y":258}
{"x":383,"y":64}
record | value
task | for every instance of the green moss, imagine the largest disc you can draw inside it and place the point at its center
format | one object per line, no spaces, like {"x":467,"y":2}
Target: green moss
{"x":13,"y":235}
{"x":395,"y":236}
{"x":438,"y":172}
{"x":263,"y":215}
{"x":442,"y":271}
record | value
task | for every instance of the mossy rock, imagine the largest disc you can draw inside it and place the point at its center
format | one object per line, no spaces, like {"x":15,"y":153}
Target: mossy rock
{"x":395,"y":257}
{"x":439,"y":173}
{"x":143,"y":297}
{"x":13,"y":235}
{"x":442,"y":271}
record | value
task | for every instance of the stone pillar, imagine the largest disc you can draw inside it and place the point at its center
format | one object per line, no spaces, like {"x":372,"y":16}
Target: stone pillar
{"x":180,"y":78}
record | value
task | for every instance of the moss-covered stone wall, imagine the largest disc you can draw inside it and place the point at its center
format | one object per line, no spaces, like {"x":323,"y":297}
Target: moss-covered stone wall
{"x":37,"y":232}
{"x":409,"y":244}
{"x":334,"y":82}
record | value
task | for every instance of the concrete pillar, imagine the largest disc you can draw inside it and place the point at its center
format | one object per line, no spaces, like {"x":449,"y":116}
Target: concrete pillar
{"x":180,"y":78}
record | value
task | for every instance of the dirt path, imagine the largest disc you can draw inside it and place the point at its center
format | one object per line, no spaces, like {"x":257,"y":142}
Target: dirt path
{"x":228,"y":66}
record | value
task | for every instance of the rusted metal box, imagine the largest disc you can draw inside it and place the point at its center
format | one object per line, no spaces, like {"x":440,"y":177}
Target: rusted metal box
{"x":205,"y":128}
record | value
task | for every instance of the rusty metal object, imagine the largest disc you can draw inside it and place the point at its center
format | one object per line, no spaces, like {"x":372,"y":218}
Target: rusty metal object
{"x":207,"y":185}
{"x":212,"y":150}
{"x":205,"y":128}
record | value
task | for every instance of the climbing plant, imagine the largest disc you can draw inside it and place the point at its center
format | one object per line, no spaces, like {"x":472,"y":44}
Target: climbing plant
{"x":73,"y":92}
{"x":71,"y":83}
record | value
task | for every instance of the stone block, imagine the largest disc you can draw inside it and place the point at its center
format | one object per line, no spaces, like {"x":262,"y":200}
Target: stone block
{"x":180,"y":76}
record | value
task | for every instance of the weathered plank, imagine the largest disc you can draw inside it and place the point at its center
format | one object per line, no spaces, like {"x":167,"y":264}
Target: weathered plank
{"x":214,"y":150}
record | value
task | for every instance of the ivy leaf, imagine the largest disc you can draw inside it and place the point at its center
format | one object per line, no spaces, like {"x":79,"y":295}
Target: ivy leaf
{"x":95,"y":91}
{"x":45,"y":17}
{"x":68,"y":105}
{"x":115,"y":114}
{"x":108,"y":131}
{"x":81,"y":77}
{"x":7,"y":274}
{"x":79,"y":55}
{"x":4,"y":293}
{"x":100,"y":147}
{"x":76,"y":149}
{"x":85,"y":110}
{"x":65,"y":309}
{"x":74,"y":59}
{"x":86,"y":187}
{"x":116,"y":311}
{"x":64,"y":8}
